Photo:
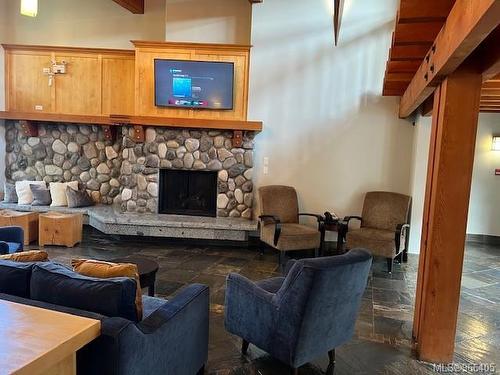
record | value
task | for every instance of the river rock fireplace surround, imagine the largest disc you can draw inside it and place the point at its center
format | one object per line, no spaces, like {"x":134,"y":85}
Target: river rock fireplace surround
{"x":127,"y":173}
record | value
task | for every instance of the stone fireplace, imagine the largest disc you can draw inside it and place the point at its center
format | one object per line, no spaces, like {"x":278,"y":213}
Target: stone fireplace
{"x":127,"y":173}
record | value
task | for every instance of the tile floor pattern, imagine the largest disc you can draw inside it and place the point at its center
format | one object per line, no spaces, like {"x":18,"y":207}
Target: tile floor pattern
{"x":382,"y":344}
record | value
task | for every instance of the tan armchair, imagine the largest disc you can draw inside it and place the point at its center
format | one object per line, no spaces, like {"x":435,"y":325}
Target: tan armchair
{"x":384,"y":226}
{"x":279,"y":222}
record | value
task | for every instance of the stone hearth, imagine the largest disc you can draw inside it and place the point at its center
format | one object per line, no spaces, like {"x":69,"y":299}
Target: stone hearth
{"x":125,"y":173}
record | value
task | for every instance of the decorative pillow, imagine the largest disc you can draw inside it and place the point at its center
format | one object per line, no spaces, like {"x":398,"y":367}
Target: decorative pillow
{"x":56,"y":284}
{"x":78,"y":198}
{"x":10,"y":195}
{"x":15,"y":278}
{"x":58,"y":192}
{"x":27,"y":256}
{"x":105,"y":270}
{"x":23,"y":191}
{"x":41,"y":195}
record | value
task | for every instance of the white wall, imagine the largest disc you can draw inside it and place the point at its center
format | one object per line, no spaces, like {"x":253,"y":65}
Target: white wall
{"x":203,"y":21}
{"x":484,"y":207}
{"x":89,"y":23}
{"x":327,"y":129}
{"x":418,"y":179}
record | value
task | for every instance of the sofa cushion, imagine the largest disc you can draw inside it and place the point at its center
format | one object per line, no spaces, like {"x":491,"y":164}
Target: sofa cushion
{"x":15,"y":278}
{"x":56,"y":284}
{"x":10,"y":195}
{"x":58,"y":192}
{"x":41,"y":195}
{"x":26,"y":256}
{"x":23,"y":191}
{"x":151,"y":304}
{"x":105,"y":270}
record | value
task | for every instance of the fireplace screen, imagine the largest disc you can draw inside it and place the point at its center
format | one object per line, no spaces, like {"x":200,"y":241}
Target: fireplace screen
{"x":187,"y":192}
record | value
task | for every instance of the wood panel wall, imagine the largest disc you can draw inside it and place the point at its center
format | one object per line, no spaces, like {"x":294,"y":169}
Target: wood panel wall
{"x":97,"y":82}
{"x":147,"y":52}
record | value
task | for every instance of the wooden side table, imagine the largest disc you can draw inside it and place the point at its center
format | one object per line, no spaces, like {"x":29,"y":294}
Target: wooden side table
{"x":58,"y":228}
{"x":26,"y":220}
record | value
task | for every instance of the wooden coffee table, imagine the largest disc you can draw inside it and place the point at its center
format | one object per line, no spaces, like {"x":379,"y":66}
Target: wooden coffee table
{"x":40,"y":341}
{"x":147,"y":271}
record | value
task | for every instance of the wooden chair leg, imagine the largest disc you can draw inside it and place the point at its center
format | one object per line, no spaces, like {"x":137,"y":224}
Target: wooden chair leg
{"x":244,"y":346}
{"x":390,"y":262}
{"x":262,"y":247}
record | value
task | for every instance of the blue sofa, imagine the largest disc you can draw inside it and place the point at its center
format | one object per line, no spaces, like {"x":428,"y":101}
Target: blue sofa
{"x":171,"y":338}
{"x":11,"y":240}
{"x":306,"y":314}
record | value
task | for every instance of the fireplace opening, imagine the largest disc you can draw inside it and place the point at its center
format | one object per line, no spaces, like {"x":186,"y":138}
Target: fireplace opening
{"x":184,"y":192}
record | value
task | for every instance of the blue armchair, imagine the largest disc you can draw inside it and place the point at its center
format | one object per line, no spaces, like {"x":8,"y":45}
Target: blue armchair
{"x":307,"y":313}
{"x":11,"y":240}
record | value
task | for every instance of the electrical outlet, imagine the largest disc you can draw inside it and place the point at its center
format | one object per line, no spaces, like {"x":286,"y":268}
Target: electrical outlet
{"x":266,"y":160}
{"x":59,"y":68}
{"x":38,"y":107}
{"x":265,"y":170}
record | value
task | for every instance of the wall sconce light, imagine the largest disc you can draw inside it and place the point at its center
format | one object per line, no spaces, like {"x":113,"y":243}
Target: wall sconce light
{"x":495,"y":144}
{"x":29,"y":8}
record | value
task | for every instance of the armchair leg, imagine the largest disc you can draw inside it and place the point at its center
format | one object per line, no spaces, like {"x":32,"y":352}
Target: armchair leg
{"x":244,"y":346}
{"x":390,"y":262}
{"x":399,"y":258}
{"x":282,"y":260}
{"x":261,"y":248}
{"x":331,"y":364}
{"x":201,"y":371}
{"x":405,"y":255}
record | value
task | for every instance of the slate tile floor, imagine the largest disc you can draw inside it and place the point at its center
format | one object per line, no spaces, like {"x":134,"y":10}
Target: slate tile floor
{"x":382,"y":344}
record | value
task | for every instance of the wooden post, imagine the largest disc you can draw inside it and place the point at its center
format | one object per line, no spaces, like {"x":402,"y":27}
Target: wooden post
{"x":449,"y":175}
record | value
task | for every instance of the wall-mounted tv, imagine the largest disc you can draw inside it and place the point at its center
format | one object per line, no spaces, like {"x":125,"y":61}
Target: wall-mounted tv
{"x":194,"y":84}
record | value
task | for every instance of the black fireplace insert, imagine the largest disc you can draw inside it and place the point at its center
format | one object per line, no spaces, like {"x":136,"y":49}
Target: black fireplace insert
{"x":184,"y":192}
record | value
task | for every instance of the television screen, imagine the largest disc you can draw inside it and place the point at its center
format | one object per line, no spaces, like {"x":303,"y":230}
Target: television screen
{"x":194,"y":84}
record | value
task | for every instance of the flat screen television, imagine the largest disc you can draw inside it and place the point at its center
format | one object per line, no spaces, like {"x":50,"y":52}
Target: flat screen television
{"x":194,"y":84}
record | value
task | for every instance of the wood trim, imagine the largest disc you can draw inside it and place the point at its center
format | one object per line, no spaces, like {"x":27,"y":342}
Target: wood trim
{"x":467,"y":25}
{"x":111,"y":120}
{"x":197,"y":46}
{"x":104,"y":51}
{"x":134,"y":6}
{"x":451,"y":158}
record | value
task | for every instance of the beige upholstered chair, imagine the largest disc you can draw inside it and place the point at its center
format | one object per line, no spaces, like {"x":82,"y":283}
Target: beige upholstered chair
{"x":279,"y":222}
{"x":384,"y":226}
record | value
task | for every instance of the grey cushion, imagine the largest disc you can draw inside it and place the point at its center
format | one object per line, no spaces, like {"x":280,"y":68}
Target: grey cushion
{"x":78,"y":198}
{"x":41,"y":195}
{"x":10,"y":195}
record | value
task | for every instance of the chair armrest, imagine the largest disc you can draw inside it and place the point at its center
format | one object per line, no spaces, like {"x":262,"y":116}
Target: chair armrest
{"x":277,"y":228}
{"x":401,"y":229}
{"x":181,"y":325}
{"x":4,"y":248}
{"x":12,"y":234}
{"x":347,"y":219}
{"x":249,"y":310}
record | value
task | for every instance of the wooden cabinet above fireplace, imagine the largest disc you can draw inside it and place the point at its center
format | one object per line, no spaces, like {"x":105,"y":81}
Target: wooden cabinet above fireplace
{"x":113,"y":87}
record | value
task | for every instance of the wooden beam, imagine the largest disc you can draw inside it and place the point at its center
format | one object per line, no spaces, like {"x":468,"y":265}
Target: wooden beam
{"x":416,"y":33}
{"x":338,"y":10}
{"x":451,"y":156}
{"x":134,"y":6}
{"x":468,"y":24}
{"x":489,"y":55}
{"x":411,"y":11}
{"x":405,"y":66}
{"x":409,"y":52}
{"x":428,"y":105}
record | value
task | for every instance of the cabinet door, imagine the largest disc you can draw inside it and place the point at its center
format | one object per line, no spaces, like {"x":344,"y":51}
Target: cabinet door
{"x":118,"y":85}
{"x":78,"y":91}
{"x":27,"y":85}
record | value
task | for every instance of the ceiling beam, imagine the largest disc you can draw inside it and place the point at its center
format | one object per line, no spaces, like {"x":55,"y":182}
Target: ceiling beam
{"x":134,"y":6}
{"x":411,"y":11}
{"x":467,"y":25}
{"x":338,"y":10}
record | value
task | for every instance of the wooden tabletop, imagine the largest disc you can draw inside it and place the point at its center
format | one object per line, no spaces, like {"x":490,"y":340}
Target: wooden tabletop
{"x":33,"y":340}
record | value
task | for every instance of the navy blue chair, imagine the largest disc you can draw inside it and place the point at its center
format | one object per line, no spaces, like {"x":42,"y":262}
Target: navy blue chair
{"x":11,"y":240}
{"x":306,"y":314}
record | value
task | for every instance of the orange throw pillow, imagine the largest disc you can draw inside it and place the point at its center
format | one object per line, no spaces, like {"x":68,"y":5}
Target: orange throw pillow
{"x":27,"y":256}
{"x":106,"y":270}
